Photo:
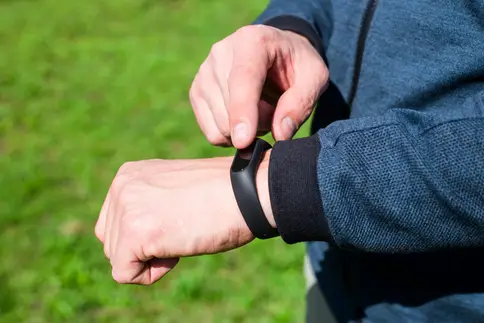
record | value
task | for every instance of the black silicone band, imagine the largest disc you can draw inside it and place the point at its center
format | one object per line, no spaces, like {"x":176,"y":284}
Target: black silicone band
{"x":242,"y":176}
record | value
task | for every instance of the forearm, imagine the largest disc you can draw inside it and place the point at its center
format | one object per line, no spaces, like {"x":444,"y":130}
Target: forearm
{"x":404,"y":182}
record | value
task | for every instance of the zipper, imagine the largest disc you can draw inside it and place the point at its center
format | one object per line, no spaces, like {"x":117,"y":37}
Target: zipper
{"x":365,"y":27}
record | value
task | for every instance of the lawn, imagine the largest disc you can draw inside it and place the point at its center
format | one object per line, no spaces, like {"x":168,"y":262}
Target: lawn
{"x":85,"y":86}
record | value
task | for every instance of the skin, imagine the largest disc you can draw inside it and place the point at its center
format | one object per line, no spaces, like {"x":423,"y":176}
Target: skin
{"x":256,"y":80}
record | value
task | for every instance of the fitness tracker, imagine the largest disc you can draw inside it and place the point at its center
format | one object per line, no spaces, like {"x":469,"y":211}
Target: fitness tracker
{"x":242,"y":176}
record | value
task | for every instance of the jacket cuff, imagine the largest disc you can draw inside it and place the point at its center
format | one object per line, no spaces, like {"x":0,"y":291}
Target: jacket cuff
{"x":298,"y":26}
{"x":294,"y":191}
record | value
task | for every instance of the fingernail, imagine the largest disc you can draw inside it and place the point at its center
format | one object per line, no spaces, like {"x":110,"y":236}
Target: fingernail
{"x":288,"y":126}
{"x":241,"y":131}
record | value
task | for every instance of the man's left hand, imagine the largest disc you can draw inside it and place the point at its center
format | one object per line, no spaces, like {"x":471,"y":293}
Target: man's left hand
{"x":157,"y":211}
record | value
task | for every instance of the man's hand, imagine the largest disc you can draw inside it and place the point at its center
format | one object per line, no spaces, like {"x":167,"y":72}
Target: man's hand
{"x":159,"y":210}
{"x":235,"y":93}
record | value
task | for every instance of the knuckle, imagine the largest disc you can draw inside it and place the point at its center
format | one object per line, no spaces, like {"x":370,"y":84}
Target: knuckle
{"x":98,"y":233}
{"x":199,"y":82}
{"x":147,"y":236}
{"x":127,"y":171}
{"x":319,"y":72}
{"x":218,"y":48}
{"x":195,"y":96}
{"x":248,"y":31}
{"x":126,"y":167}
{"x":306,"y":113}
{"x":245,"y":30}
{"x":322,"y":72}
{"x":264,"y":38}
{"x":260,"y":35}
{"x":118,"y":184}
{"x":152,"y":248}
{"x":202,"y":71}
{"x":194,"y":91}
{"x":120,"y":277}
{"x":135,"y":227}
{"x":307,"y":105}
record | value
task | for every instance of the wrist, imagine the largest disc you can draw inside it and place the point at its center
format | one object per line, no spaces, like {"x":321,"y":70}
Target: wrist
{"x":262,"y":183}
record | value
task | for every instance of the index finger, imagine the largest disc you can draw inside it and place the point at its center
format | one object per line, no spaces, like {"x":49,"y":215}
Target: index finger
{"x":245,"y":83}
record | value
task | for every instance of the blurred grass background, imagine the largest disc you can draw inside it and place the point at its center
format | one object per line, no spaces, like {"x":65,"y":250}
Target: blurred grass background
{"x":85,"y":86}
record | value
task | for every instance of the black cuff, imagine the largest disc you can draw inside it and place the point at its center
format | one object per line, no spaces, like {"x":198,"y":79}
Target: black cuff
{"x":294,"y":191}
{"x":299,"y":26}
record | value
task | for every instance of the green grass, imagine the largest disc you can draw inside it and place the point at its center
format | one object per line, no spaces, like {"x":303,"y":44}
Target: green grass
{"x":84,"y":87}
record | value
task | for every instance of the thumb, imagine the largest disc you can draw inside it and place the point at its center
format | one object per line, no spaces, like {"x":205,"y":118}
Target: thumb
{"x":295,"y":106}
{"x":293,"y":109}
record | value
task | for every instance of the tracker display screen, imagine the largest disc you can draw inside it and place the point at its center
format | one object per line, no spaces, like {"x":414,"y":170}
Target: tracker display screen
{"x":243,"y":158}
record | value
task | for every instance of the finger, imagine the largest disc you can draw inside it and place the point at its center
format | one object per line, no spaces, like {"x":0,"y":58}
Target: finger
{"x":266,"y":113}
{"x":266,"y":107}
{"x":213,"y":94}
{"x":101,"y":221}
{"x":128,"y":268}
{"x":271,"y":93}
{"x":245,"y":84}
{"x":107,"y":229}
{"x":114,"y":228}
{"x":296,"y":104}
{"x":222,"y":76}
{"x":144,"y":273}
{"x":205,"y":118}
{"x":160,"y":267}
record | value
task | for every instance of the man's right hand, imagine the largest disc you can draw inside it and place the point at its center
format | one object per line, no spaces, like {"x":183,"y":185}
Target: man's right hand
{"x":256,"y":80}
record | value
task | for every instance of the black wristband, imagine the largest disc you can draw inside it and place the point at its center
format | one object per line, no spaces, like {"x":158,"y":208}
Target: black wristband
{"x":242,"y":176}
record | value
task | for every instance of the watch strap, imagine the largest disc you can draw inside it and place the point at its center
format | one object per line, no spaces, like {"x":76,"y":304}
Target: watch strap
{"x":245,"y":189}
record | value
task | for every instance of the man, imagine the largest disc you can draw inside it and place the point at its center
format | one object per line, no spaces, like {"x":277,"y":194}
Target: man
{"x":394,"y":194}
